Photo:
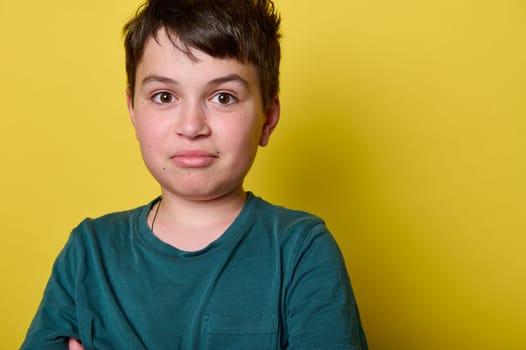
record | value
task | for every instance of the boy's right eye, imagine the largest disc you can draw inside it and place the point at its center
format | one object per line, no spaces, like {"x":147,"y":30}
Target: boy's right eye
{"x":163,"y":98}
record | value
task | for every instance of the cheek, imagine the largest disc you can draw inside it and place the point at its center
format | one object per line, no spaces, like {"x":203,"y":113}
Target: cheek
{"x":147,"y":131}
{"x":148,"y":139}
{"x":243,"y":136}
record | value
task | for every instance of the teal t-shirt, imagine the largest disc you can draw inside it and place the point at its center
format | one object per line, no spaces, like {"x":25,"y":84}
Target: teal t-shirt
{"x":274,"y":280}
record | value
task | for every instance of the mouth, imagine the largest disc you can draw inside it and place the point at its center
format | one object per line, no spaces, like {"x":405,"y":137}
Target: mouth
{"x":194,"y":158}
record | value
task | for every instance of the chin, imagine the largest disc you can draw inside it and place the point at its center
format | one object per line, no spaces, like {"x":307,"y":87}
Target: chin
{"x":200,"y":186}
{"x":202,"y":194}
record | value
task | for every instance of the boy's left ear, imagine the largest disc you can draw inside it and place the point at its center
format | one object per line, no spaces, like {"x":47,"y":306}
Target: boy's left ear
{"x":271,"y":120}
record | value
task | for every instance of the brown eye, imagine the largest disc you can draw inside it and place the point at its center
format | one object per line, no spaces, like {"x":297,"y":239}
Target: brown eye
{"x":163,"y":97}
{"x":223,"y":98}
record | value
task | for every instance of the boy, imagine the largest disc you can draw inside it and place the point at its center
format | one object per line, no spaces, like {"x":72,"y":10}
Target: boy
{"x":206,"y":265}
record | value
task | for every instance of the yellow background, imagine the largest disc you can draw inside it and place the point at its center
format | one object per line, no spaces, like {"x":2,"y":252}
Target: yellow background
{"x":403,"y":126}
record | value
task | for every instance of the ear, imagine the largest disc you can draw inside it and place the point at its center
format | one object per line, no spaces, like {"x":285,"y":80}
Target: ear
{"x":129,"y":103}
{"x":271,"y":120}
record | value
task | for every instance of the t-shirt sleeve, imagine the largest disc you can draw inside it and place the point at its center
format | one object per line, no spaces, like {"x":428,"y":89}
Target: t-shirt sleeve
{"x":55,"y":321}
{"x":321,"y":311}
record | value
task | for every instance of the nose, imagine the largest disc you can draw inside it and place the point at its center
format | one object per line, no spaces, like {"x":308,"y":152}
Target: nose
{"x":192,"y":121}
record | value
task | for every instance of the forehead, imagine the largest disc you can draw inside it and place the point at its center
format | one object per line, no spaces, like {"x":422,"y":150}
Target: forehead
{"x":165,"y":55}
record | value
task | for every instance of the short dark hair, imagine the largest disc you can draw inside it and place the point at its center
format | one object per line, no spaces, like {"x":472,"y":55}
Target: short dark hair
{"x":245,"y":30}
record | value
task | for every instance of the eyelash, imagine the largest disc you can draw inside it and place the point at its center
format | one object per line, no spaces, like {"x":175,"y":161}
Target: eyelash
{"x":232,"y":98}
{"x":156,"y":98}
{"x":159,"y":96}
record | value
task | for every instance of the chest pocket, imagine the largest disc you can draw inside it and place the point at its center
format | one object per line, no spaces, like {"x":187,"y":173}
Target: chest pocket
{"x":240,"y":331}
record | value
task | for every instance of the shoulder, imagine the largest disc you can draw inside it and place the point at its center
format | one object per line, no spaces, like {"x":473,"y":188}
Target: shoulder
{"x":110,"y":227}
{"x":117,"y":219}
{"x":282,"y":217}
{"x":296,"y":230}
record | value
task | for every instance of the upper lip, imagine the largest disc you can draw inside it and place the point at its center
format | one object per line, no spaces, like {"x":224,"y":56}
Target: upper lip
{"x":194,"y":153}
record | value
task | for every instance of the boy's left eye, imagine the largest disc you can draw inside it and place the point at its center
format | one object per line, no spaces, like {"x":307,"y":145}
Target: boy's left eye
{"x":224,"y":98}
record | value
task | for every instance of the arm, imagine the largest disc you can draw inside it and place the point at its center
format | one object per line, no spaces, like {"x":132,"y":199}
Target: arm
{"x":55,"y":321}
{"x":74,"y":344}
{"x":321,"y":311}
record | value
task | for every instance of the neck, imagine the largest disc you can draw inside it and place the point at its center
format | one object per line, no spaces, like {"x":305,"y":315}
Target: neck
{"x":193,"y":224}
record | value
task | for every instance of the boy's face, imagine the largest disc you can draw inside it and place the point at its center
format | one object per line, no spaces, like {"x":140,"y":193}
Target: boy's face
{"x":199,"y":123}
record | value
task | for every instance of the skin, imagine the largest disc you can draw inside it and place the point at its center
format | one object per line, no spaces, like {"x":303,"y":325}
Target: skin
{"x":74,"y":344}
{"x":199,"y":124}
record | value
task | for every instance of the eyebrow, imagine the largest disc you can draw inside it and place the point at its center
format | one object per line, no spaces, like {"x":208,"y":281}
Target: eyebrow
{"x":220,"y":80}
{"x":228,"y":78}
{"x":159,"y":79}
